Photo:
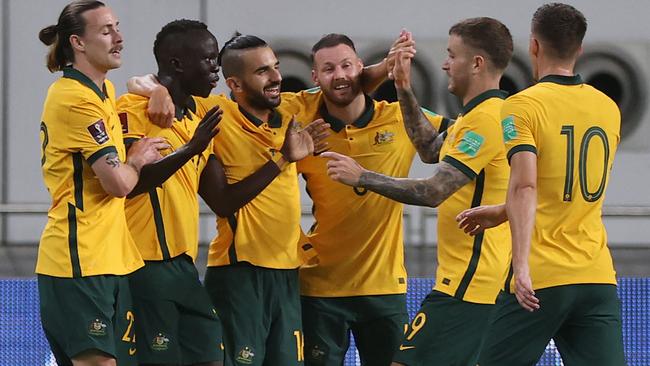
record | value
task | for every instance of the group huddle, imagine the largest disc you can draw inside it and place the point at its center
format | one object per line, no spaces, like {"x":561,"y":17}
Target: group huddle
{"x":518,"y":181}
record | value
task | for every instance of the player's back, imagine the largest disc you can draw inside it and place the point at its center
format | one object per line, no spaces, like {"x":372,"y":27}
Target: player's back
{"x":574,"y":130}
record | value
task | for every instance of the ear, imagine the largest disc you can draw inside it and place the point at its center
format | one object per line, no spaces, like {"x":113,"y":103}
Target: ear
{"x":176,"y":64}
{"x":580,"y":50}
{"x":77,"y":43}
{"x":478,"y":64}
{"x":314,"y":77}
{"x":534,"y":46}
{"x":234,"y":84}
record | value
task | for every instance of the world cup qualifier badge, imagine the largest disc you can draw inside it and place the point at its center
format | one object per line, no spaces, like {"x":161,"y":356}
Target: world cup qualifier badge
{"x":246,"y":355}
{"x":98,"y":131}
{"x":160,"y":343}
{"x":97,"y":328}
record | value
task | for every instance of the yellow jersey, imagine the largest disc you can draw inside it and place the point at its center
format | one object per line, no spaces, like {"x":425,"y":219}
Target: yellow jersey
{"x":266,"y":231}
{"x":357,"y":234}
{"x":474,"y":268}
{"x":86,"y":232}
{"x":165,"y":221}
{"x":574,"y":130}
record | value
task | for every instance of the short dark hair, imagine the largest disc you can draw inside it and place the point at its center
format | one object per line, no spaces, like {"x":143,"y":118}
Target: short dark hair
{"x":57,"y":36}
{"x":228,"y":61}
{"x":561,"y":27}
{"x":488,"y":35}
{"x":331,"y":40}
{"x":180,"y":26}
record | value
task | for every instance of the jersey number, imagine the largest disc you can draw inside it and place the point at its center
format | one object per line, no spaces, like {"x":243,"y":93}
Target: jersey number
{"x":416,"y":325}
{"x":300,"y":344}
{"x":592,"y":132}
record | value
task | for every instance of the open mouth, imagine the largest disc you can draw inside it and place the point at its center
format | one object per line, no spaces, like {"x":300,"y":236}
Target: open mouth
{"x":116,"y":52}
{"x":272,"y":92}
{"x":343,"y":86}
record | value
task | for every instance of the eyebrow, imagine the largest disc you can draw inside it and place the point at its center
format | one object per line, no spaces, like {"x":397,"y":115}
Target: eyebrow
{"x":266,"y":67}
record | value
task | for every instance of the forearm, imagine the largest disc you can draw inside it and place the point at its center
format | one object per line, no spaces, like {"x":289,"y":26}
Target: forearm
{"x":155,"y":174}
{"x":422,"y":134}
{"x":143,"y":85}
{"x":411,"y":191}
{"x":521,"y":207}
{"x":373,"y":76}
{"x":225,"y":199}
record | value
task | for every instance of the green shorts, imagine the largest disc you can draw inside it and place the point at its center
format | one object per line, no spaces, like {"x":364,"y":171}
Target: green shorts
{"x":260,"y":311}
{"x":446,"y":331}
{"x":88,"y":313}
{"x":176,"y":322}
{"x":583,"y":320}
{"x":377,"y":323}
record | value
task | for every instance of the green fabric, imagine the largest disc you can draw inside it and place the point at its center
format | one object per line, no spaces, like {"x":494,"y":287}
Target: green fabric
{"x":175,"y":319}
{"x":86,"y":313}
{"x":377,"y":323}
{"x":260,"y":312}
{"x":446,"y":331}
{"x":584,"y":321}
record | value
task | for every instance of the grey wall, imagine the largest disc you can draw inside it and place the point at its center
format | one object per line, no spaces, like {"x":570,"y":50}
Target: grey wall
{"x":295,"y":25}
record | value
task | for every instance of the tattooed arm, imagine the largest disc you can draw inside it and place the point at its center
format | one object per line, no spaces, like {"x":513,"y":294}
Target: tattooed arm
{"x":430,"y":191}
{"x":117,"y":178}
{"x":424,"y":137}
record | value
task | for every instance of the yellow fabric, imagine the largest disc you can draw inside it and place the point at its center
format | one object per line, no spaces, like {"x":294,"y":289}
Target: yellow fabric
{"x":266,"y":231}
{"x":569,"y":243}
{"x":86,"y":233}
{"x":165,"y":221}
{"x":474,"y":269}
{"x":358,"y":235}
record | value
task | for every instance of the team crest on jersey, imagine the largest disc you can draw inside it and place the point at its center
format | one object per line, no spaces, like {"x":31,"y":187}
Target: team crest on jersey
{"x":471,"y":143}
{"x":97,"y":328}
{"x":160,"y":343}
{"x":318,"y":353}
{"x":384,"y":137}
{"x":124,"y":121}
{"x":98,"y":132}
{"x":246,"y":355}
{"x":509,"y":130}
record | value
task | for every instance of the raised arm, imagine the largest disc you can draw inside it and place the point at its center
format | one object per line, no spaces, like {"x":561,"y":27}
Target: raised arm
{"x":431,"y":191}
{"x":117,"y":178}
{"x":225,"y":199}
{"x":156,"y":173}
{"x":424,"y":137}
{"x":160,"y":109}
{"x":374,"y":75}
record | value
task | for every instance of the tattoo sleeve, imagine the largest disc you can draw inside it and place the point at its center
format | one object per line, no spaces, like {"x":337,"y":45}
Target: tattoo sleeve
{"x":423,"y":136}
{"x":419,"y":191}
{"x":113,"y":160}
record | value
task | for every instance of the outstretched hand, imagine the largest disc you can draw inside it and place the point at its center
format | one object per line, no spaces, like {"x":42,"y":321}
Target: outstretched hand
{"x":298,"y":143}
{"x":403,"y":44}
{"x":343,"y":169}
{"x":205,"y":131}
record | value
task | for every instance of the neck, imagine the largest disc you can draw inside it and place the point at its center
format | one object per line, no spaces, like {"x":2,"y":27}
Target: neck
{"x":263,"y":114}
{"x":94,"y":74}
{"x":349,"y":113}
{"x":179,"y":96}
{"x":481,"y":85}
{"x":547,"y":67}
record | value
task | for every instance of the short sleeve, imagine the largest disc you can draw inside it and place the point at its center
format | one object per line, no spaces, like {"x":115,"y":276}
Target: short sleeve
{"x":87,"y":131}
{"x":475,"y":144}
{"x":517,"y":127}
{"x":438,"y":122}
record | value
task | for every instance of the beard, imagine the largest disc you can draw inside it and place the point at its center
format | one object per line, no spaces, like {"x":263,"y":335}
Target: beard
{"x":257,"y":98}
{"x":343,"y":100}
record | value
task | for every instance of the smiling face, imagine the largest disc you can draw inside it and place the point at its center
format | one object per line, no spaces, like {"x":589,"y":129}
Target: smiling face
{"x":102,"y":41}
{"x":260,"y":78}
{"x":337,"y":70}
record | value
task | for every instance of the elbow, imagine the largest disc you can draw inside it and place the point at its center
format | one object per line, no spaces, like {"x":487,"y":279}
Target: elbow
{"x":118,"y":188}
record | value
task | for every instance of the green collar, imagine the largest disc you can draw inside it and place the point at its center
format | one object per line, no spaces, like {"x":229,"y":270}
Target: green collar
{"x":72,"y":73}
{"x":492,"y":93}
{"x":182,"y":112}
{"x":361,"y":122}
{"x":274,"y":122}
{"x":562,"y":80}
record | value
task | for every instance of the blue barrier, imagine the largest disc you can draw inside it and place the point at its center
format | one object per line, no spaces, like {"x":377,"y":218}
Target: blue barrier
{"x":22,"y":342}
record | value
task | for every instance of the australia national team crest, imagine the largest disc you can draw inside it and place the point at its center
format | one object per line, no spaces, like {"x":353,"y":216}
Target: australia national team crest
{"x":97,"y":328}
{"x":384,"y":137}
{"x":246,"y":355}
{"x":98,"y":131}
{"x":160,"y":343}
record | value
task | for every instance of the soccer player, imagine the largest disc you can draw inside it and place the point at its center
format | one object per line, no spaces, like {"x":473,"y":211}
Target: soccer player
{"x":85,"y":250}
{"x":359,"y":284}
{"x":451,"y":324}
{"x":175,"y":319}
{"x":561,"y":136}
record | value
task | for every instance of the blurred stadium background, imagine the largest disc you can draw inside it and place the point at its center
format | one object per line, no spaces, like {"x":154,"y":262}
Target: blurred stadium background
{"x":616,"y":50}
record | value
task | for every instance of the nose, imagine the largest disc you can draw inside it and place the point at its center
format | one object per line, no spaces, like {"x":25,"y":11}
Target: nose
{"x":118,"y":37}
{"x":338,"y":73}
{"x":445,"y":65}
{"x":276,"y":76}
